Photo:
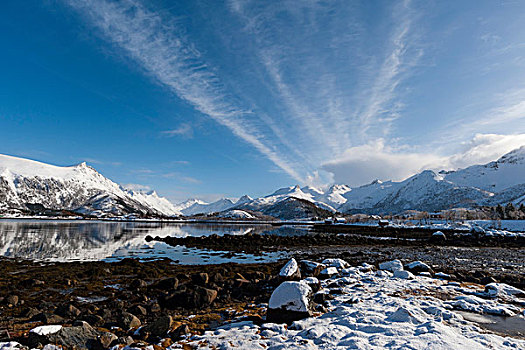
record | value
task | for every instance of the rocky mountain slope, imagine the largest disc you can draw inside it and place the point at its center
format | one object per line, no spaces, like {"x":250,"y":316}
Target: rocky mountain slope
{"x":78,"y":188}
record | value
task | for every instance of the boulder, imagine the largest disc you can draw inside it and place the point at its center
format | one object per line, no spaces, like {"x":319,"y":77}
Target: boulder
{"x":200,"y":279}
{"x":67,"y":310}
{"x":158,"y":328}
{"x":127,"y":321}
{"x":179,"y":332}
{"x":311,"y":268}
{"x":12,"y":300}
{"x":418,"y":267}
{"x":138,"y":284}
{"x":313,"y":283}
{"x":80,"y":336}
{"x":406,"y":275}
{"x":290,"y":271}
{"x":328,"y":272}
{"x":437,"y":237}
{"x":198,"y":297}
{"x":167,"y":284}
{"x":337,"y":263}
{"x":391,"y":266}
{"x":47,"y":318}
{"x":291,"y":301}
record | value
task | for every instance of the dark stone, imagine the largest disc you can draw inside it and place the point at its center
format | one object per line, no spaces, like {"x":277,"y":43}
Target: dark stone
{"x":80,"y":336}
{"x":285,"y":316}
{"x":179,"y":332}
{"x":105,"y":341}
{"x":200,"y":278}
{"x":167,"y":284}
{"x":12,"y":300}
{"x":160,"y":327}
{"x":67,"y":310}
{"x":138,"y":310}
{"x":488,"y":280}
{"x":199,"y":297}
{"x":48,"y":318}
{"x":126,"y":321}
{"x":320,"y":298}
{"x":138,"y":284}
{"x":30,"y":312}
{"x":94,"y":320}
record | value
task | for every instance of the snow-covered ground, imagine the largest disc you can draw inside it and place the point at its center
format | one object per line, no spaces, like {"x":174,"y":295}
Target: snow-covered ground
{"x":375,"y":310}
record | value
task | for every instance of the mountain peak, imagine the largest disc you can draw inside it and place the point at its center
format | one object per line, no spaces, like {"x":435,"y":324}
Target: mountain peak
{"x":514,"y":156}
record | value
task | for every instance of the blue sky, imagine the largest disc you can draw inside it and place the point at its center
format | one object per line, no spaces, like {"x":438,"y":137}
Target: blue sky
{"x":211,"y":98}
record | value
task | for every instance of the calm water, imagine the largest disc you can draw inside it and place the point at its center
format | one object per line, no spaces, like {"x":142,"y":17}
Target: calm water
{"x":98,"y":240}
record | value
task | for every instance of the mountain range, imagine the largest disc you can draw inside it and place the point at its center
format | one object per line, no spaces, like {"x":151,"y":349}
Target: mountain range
{"x":81,"y":189}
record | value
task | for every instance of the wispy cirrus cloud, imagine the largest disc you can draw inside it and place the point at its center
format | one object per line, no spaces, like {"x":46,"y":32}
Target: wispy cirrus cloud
{"x":184,"y":130}
{"x":163,"y":51}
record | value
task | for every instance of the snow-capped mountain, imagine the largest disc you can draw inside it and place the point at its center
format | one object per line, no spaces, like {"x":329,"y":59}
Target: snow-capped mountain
{"x":77,"y":188}
{"x":498,"y":182}
{"x":200,"y":207}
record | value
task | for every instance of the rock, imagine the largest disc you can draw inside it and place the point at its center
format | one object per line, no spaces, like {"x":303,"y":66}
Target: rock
{"x":311,"y":268}
{"x":32,"y":283}
{"x":67,"y":310}
{"x":313,"y":283}
{"x":406,"y":275}
{"x":328,"y":272}
{"x":154,"y":308}
{"x":127,"y":321}
{"x":203,"y":296}
{"x":391,"y":266}
{"x":47,"y":318}
{"x":200,"y":279}
{"x":404,"y":315}
{"x":138,"y":284}
{"x":438,"y":236}
{"x":442,"y":275}
{"x":199,"y":297}
{"x":127,"y":340}
{"x":138,"y":310}
{"x":290,"y":271}
{"x":105,"y":340}
{"x":94,"y":320}
{"x":30,"y":312}
{"x":179,"y":332}
{"x":488,"y":280}
{"x":160,"y":327}
{"x":291,"y":301}
{"x":80,"y":336}
{"x":418,"y":267}
{"x":167,"y":284}
{"x":321,"y":298}
{"x":337,"y":263}
{"x":12,"y":300}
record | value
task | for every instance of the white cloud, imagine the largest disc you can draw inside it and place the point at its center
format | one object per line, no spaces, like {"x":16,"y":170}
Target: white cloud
{"x":184,"y":130}
{"x":376,"y":160}
{"x":136,"y":187}
{"x":484,"y":148}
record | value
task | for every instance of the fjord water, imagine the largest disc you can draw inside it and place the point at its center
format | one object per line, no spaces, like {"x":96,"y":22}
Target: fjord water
{"x":83,"y":240}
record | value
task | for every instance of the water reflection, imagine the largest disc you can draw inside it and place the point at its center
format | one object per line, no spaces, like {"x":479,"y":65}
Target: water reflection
{"x":98,"y":240}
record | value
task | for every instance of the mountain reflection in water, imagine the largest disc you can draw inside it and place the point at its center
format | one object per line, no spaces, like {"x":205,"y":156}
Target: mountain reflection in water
{"x":100,"y":240}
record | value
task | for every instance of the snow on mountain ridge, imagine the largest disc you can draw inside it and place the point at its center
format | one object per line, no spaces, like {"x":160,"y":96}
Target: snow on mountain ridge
{"x":74,"y":187}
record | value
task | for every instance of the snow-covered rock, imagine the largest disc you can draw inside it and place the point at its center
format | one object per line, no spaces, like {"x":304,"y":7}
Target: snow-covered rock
{"x":46,"y":330}
{"x":337,"y":263}
{"x":392,"y":266}
{"x":290,"y":271}
{"x":406,"y":275}
{"x":418,"y":267}
{"x":289,"y":302}
{"x":328,"y":272}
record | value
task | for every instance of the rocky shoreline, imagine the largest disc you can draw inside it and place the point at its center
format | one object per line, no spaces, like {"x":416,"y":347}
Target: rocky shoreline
{"x":159,"y":302}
